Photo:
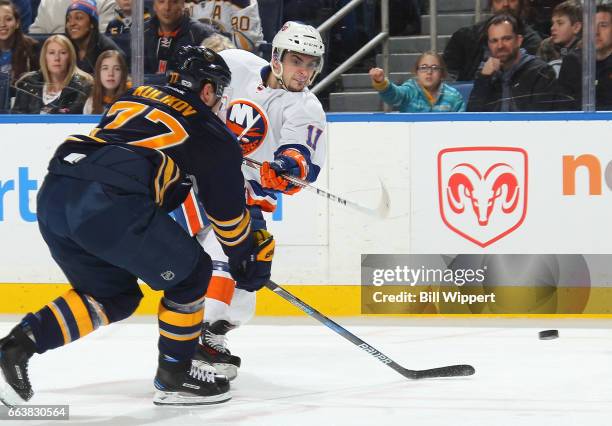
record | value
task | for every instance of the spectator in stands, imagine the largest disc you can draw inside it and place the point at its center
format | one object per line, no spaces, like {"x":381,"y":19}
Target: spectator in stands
{"x":168,"y":30}
{"x":426,"y":93}
{"x":218,"y":42}
{"x":17,"y":51}
{"x":110,"y":82}
{"x":467,"y":48}
{"x":566,"y":30}
{"x":123,"y":18}
{"x":82,"y":30}
{"x":25,"y":11}
{"x":538,"y":15}
{"x":51,"y":17}
{"x":239,"y":19}
{"x":570,"y":76}
{"x":511,"y":80}
{"x":59,"y":87}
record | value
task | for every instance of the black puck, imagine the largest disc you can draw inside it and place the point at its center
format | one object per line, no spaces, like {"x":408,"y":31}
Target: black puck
{"x":548,"y":334}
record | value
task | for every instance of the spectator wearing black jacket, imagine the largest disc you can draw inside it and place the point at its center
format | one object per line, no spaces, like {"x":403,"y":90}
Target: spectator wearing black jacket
{"x":566,"y":34}
{"x":511,"y":79}
{"x":467,"y":48}
{"x":167,"y":31}
{"x":570,"y":76}
{"x":59,"y":87}
{"x":83,"y":31}
{"x":122,"y":22}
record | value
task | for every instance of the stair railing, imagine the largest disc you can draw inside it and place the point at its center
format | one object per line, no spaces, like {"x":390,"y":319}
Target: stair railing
{"x":382,"y":37}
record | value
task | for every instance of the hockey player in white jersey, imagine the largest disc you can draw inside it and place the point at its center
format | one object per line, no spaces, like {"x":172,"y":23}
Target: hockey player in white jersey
{"x":240,"y":18}
{"x":281,"y":124}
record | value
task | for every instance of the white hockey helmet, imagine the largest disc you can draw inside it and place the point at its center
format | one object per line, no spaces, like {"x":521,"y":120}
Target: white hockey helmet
{"x":299,"y":38}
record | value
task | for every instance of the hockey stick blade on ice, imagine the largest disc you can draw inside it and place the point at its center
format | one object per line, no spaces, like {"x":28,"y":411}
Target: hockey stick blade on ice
{"x":381,"y":211}
{"x":448,"y":371}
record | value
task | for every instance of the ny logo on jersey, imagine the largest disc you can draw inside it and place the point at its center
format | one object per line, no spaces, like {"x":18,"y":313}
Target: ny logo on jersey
{"x":248,"y":122}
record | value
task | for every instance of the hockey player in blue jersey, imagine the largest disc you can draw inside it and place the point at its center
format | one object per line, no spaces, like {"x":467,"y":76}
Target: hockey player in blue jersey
{"x":103,"y":212}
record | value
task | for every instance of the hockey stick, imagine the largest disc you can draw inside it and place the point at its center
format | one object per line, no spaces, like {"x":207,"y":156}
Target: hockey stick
{"x":448,"y":371}
{"x":381,"y":211}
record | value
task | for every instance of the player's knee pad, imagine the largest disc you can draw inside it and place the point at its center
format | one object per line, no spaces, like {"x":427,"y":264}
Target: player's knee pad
{"x":194,"y":286}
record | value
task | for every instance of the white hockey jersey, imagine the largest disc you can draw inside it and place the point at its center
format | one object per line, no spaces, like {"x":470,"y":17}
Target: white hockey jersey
{"x":237,"y":17}
{"x":269,"y":121}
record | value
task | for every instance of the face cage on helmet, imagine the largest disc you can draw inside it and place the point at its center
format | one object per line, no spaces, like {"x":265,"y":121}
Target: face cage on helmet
{"x":219,"y":86}
{"x":278,"y":52}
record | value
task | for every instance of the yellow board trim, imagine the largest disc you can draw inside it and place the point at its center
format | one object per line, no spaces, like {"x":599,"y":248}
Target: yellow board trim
{"x":330,"y":300}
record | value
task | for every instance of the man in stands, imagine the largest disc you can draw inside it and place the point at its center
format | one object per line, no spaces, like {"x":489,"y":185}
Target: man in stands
{"x":167,"y":31}
{"x":511,"y":80}
{"x":467,"y":48}
{"x":570,"y":76}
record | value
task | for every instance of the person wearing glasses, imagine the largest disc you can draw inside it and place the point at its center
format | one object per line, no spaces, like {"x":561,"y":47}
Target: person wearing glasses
{"x":425,"y":93}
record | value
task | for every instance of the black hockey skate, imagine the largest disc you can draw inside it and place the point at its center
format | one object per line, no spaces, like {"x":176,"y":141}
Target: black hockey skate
{"x":213,"y":350}
{"x":15,"y":352}
{"x":189,"y":383}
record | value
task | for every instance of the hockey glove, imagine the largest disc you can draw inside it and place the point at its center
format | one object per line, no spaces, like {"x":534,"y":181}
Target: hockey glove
{"x":290,"y":162}
{"x":253,"y":273}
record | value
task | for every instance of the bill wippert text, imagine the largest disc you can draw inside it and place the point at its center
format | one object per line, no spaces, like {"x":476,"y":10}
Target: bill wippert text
{"x":433,"y":297}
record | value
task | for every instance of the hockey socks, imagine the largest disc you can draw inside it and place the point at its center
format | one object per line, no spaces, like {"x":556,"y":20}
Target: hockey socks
{"x":66,"y":319}
{"x":179,"y":327}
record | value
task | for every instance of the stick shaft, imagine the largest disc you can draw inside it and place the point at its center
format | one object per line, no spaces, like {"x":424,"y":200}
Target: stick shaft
{"x":379,"y":212}
{"x":449,"y":371}
{"x":306,"y":185}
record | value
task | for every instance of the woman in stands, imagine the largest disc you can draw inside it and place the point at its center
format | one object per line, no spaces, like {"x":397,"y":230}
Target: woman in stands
{"x":110,"y":82}
{"x":82,"y":30}
{"x":17,"y":51}
{"x":425,"y":93}
{"x":59,"y":87}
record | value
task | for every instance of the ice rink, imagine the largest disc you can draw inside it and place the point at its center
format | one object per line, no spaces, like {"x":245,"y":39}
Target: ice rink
{"x":297,"y":372}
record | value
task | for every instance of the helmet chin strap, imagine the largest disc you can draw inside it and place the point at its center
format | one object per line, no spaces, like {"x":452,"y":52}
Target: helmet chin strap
{"x":279,"y":76}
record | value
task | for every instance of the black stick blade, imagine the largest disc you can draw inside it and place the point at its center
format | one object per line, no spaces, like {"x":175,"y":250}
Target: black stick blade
{"x":449,"y":371}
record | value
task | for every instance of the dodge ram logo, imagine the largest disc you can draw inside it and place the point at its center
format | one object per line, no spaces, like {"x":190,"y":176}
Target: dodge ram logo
{"x":482,"y":191}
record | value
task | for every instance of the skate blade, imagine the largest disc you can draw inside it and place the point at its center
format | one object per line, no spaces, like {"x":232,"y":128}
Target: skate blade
{"x":178,"y":398}
{"x":8,"y":396}
{"x":228,"y":370}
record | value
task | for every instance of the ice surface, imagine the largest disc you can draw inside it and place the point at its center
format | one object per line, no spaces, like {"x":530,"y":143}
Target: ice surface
{"x":297,"y":372}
